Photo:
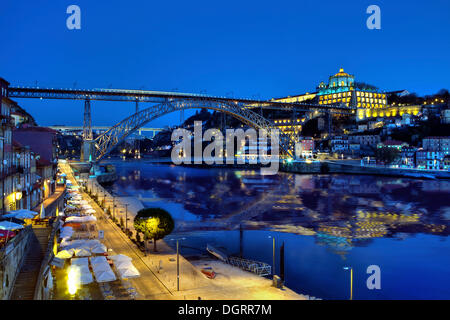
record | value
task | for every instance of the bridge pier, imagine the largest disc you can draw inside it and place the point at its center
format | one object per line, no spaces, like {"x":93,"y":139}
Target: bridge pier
{"x":88,"y":151}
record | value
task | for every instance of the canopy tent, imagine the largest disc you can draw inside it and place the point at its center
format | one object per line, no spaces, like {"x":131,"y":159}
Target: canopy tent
{"x":128,"y":271}
{"x":82,"y":252}
{"x":21,"y":214}
{"x":65,"y":254}
{"x":80,"y":261}
{"x":86,"y":276}
{"x":66,"y":232}
{"x":99,"y":260}
{"x":101,"y":248}
{"x":104,"y":275}
{"x":80,"y":244}
{"x":82,"y":264}
{"x":120,"y":257}
{"x":102,"y":270}
{"x":81,"y":219}
{"x":73,"y":225}
{"x":122,"y":264}
{"x":13,"y":220}
{"x":6,"y":225}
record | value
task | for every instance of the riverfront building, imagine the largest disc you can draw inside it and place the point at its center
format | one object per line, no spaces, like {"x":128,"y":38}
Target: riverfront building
{"x":342,"y":89}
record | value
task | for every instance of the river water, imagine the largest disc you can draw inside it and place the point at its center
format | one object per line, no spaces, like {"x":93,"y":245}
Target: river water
{"x":326,"y":222}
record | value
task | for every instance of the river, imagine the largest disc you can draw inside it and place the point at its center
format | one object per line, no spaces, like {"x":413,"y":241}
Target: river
{"x":326,"y":222}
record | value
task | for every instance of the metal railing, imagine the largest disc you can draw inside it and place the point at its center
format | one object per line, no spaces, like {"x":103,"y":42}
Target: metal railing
{"x":256,"y":267}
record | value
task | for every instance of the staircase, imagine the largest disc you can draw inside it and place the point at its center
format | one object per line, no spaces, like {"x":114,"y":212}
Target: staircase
{"x":26,"y":279}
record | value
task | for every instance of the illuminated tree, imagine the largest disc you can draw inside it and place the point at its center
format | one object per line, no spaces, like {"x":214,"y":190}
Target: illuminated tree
{"x":154,"y":223}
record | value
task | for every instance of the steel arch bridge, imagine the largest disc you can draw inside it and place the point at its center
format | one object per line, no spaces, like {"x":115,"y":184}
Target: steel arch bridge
{"x":107,"y":141}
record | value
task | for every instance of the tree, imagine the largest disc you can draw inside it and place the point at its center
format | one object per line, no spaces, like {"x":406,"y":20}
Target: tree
{"x":387,"y":155}
{"x":154,"y":223}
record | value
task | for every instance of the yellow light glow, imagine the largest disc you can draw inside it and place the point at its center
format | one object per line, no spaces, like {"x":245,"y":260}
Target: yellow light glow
{"x":73,"y":279}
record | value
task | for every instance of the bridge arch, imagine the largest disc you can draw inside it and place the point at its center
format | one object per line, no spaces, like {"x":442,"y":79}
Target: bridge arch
{"x":119,"y":132}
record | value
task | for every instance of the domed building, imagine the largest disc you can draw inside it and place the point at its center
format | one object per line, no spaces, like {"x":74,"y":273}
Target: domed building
{"x":342,"y":89}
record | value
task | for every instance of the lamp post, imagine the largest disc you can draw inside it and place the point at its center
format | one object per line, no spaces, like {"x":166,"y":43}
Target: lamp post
{"x":273,"y":255}
{"x":351,"y":281}
{"x":126,"y":217}
{"x":178,"y":262}
{"x":114,"y":207}
{"x":104,"y":199}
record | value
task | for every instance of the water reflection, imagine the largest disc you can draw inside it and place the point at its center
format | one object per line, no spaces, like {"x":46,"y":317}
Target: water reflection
{"x":341,"y":211}
{"x":327,"y":221}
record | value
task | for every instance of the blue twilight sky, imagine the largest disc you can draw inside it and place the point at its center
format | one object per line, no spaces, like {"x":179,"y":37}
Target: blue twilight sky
{"x":241,"y":48}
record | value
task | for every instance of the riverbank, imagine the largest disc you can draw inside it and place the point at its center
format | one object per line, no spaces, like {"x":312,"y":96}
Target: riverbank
{"x":320,"y":167}
{"x":163,"y":266}
{"x":345,"y":167}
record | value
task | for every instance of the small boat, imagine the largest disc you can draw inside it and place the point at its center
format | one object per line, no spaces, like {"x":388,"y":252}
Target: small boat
{"x":209,"y":272}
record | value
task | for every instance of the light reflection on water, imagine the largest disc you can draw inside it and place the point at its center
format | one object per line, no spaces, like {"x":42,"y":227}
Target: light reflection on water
{"x":326,"y":222}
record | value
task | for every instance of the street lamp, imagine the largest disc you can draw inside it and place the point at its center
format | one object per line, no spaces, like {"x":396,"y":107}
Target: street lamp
{"x":178,"y":262}
{"x":114,"y":207}
{"x":273,"y":255}
{"x":126,"y":217}
{"x":351,"y":281}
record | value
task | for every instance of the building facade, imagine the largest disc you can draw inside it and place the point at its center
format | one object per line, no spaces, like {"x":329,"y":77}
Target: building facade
{"x":441,"y":144}
{"x":7,"y":170}
{"x":305,"y":148}
{"x":43,"y":142}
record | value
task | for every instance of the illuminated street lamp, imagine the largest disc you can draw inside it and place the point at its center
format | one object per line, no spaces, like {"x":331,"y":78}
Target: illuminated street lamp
{"x":351,"y":281}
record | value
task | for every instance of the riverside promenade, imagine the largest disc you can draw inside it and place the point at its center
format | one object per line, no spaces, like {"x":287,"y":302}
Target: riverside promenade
{"x":159,"y":270}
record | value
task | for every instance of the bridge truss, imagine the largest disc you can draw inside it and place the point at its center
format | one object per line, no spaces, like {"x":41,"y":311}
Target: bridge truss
{"x":118,"y":133}
{"x":167,"y":102}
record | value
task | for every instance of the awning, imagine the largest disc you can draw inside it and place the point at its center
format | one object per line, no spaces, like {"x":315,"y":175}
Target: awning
{"x":6,"y":225}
